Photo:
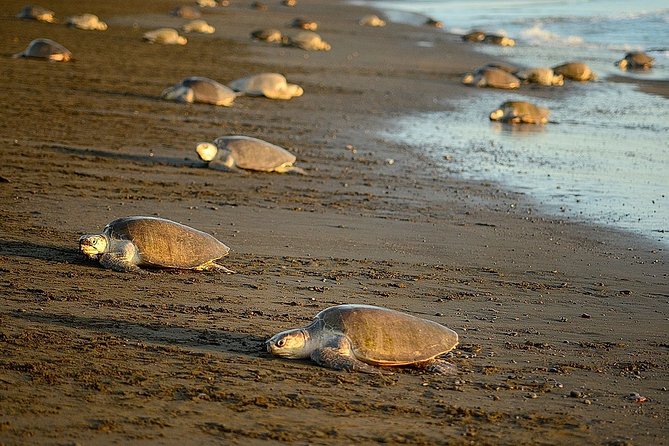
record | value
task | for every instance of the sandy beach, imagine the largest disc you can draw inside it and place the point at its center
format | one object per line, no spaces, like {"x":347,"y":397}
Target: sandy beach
{"x":563,"y":326}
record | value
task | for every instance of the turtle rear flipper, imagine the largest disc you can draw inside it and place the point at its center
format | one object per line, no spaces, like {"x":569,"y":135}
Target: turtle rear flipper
{"x":213,"y":266}
{"x":439,"y":367}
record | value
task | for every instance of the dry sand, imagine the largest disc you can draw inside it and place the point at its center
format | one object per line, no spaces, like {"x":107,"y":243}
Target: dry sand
{"x":559,"y":322}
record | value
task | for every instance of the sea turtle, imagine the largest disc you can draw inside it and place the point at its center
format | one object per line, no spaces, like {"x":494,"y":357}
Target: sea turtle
{"x":207,"y":3}
{"x":259,"y":6}
{"x":186,"y":12}
{"x":541,"y":76}
{"x":167,"y":36}
{"x":474,"y":36}
{"x":230,"y":153}
{"x":198,"y":26}
{"x":502,"y":66}
{"x":200,"y":89}
{"x":496,"y":39}
{"x":302,"y":23}
{"x":491,"y":77}
{"x":289,"y":3}
{"x":35,"y":12}
{"x":87,"y":21}
{"x":358,"y":337}
{"x":307,"y":40}
{"x":577,"y":71}
{"x":433,"y":22}
{"x":520,"y":112}
{"x":372,"y":20}
{"x":268,"y":35}
{"x":130,"y":242}
{"x":46,"y":49}
{"x":270,"y":85}
{"x":636,"y":60}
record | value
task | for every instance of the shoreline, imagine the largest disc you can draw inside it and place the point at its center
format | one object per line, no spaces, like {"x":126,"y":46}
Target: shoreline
{"x":174,"y":355}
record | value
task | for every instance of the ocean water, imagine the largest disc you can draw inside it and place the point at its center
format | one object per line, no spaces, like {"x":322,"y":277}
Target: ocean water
{"x":604,"y":157}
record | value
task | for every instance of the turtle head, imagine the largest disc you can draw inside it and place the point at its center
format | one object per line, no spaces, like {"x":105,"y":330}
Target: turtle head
{"x":206,"y":151}
{"x":496,"y":115}
{"x":622,"y":64}
{"x":94,"y":245}
{"x":468,"y":79}
{"x":292,"y":344}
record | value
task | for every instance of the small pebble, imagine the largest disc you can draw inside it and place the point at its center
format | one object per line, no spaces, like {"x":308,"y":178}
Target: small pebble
{"x":575,"y":394}
{"x":586,"y":316}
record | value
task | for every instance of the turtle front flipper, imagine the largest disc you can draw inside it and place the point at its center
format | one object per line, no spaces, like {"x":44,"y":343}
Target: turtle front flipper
{"x":224,"y":167}
{"x":338,"y":355}
{"x":213,"y":266}
{"x":122,"y":257}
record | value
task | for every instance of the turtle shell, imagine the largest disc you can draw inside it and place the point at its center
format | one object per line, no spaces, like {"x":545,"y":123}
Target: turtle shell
{"x":259,"y":84}
{"x":496,"y":78}
{"x":166,"y":243}
{"x":382,"y":336}
{"x":253,"y":154}
{"x":208,"y":91}
{"x":45,"y":48}
{"x":639,"y":59}
{"x":575,"y":70}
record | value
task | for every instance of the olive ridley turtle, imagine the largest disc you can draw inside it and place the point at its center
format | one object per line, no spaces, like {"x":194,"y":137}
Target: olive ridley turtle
{"x":200,"y":89}
{"x":130,"y":242}
{"x":307,"y":40}
{"x":520,"y":112}
{"x":358,"y":337}
{"x":198,"y":26}
{"x":636,"y":60}
{"x":270,"y":85}
{"x":35,"y":12}
{"x":46,"y":49}
{"x":491,"y":77}
{"x":167,"y":36}
{"x":541,"y":76}
{"x":230,"y":153}
{"x":577,"y":71}
{"x":86,"y":21}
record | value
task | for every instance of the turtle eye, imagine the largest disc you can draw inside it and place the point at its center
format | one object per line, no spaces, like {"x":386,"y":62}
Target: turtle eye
{"x":280,"y":342}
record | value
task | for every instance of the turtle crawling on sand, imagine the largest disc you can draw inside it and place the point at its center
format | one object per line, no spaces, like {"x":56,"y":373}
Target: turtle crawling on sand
{"x":491,"y":77}
{"x":35,"y":12}
{"x":577,"y":71}
{"x":520,"y":112}
{"x":201,"y":90}
{"x":166,"y":36}
{"x":307,"y":40}
{"x":87,"y":21}
{"x":496,"y":39}
{"x":198,"y":26}
{"x":541,"y":76}
{"x":270,"y":85}
{"x":230,"y":153}
{"x":130,"y":242}
{"x":46,"y":49}
{"x":358,"y":337}
{"x":636,"y":60}
{"x":267,"y":35}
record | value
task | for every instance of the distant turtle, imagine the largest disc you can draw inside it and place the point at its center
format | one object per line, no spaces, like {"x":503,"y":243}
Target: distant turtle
{"x":307,"y":40}
{"x":372,"y":20}
{"x":577,"y":71}
{"x":166,"y":36}
{"x":520,"y":112}
{"x":434,"y":23}
{"x":474,"y":36}
{"x":35,"y":12}
{"x":496,"y":39}
{"x":86,"y":21}
{"x":491,"y":77}
{"x":270,"y":85}
{"x":198,"y":26}
{"x":200,"y":89}
{"x":46,"y":49}
{"x":186,"y":12}
{"x":289,"y":3}
{"x":358,"y":337}
{"x":302,"y":23}
{"x":230,"y":153}
{"x":207,"y":3}
{"x":541,"y":76}
{"x":130,"y":242}
{"x":268,"y":35}
{"x":636,"y":60}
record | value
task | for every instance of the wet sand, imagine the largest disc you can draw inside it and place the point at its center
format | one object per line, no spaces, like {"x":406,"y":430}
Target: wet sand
{"x":559,"y":322}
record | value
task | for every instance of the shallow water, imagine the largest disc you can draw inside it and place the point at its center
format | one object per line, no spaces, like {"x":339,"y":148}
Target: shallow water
{"x":604,"y":158}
